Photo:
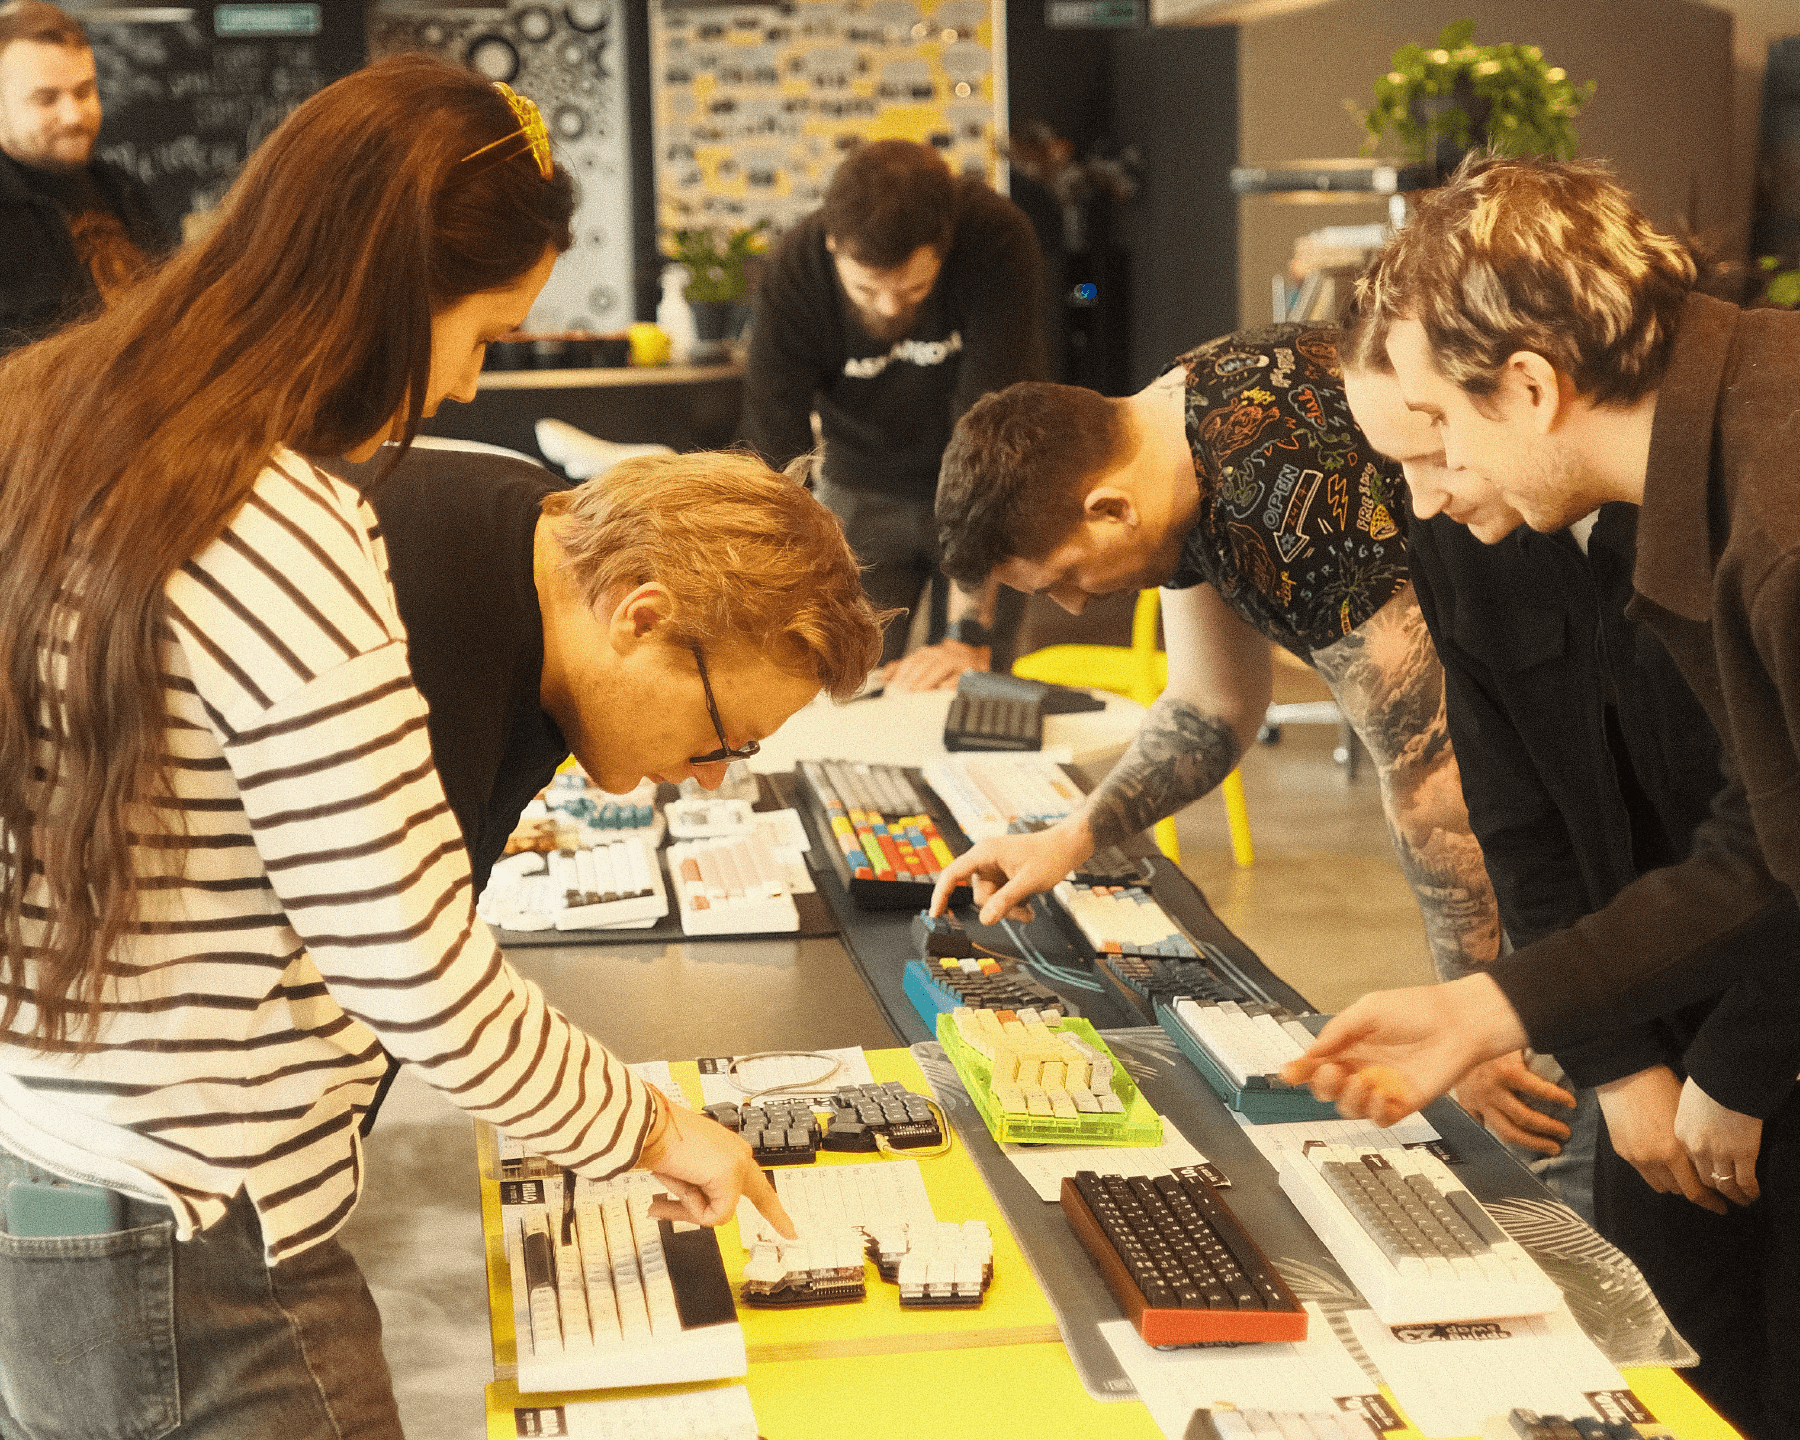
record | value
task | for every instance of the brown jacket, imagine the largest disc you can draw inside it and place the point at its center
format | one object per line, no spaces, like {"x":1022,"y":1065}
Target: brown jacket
{"x":1718,"y":580}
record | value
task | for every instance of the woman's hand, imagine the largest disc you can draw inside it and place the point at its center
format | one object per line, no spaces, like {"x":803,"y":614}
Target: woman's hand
{"x":1722,"y":1143}
{"x":1640,"y":1124}
{"x":705,"y":1168}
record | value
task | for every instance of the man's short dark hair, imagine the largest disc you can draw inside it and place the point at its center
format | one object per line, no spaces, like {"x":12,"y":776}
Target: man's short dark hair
{"x":42,"y":22}
{"x":886,"y":199}
{"x":1017,"y":469}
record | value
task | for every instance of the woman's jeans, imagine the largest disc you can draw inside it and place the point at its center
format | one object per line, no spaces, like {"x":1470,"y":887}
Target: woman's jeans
{"x":133,"y":1336}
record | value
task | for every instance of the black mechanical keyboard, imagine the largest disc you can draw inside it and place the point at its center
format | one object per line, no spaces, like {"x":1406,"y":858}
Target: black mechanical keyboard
{"x":779,"y":1131}
{"x":979,"y":722}
{"x":1181,"y":1267}
{"x":862,"y":1115}
{"x":787,"y":1131}
{"x":942,"y":983}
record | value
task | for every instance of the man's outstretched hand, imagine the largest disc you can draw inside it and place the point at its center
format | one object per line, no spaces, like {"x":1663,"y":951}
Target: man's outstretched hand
{"x":1006,"y":871}
{"x":1395,"y":1051}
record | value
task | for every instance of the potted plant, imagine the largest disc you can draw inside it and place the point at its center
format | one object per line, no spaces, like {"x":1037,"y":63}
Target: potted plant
{"x":1781,"y":287}
{"x":718,"y":284}
{"x":1442,"y":102}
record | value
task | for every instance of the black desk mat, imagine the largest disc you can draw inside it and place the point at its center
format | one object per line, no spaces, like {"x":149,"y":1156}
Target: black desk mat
{"x":1606,"y":1294}
{"x":817,"y":919}
{"x":880,"y":943}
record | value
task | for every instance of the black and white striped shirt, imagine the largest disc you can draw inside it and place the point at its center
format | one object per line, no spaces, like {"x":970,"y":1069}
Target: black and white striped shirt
{"x":323,"y":910}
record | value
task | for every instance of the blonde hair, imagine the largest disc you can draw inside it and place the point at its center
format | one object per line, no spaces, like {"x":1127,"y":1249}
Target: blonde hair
{"x":1545,"y":256}
{"x":746,"y":555}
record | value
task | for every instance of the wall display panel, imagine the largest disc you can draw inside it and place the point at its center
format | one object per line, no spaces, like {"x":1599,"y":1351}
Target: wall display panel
{"x":755,"y":102}
{"x":569,"y":57}
{"x":184,"y":107}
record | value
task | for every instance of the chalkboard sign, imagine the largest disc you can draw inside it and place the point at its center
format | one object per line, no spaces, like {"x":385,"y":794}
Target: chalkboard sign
{"x":184,"y":108}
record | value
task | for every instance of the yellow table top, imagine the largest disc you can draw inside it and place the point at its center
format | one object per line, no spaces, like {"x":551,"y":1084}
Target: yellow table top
{"x":1000,"y":1370}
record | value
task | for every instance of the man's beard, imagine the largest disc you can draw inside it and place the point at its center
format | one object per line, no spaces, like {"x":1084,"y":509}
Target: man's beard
{"x":883,"y":328}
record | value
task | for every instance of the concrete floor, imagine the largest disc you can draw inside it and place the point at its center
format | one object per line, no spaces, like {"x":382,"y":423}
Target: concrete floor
{"x":1324,"y":905}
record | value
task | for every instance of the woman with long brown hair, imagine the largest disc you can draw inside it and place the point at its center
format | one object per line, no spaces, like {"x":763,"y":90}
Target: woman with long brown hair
{"x":229,"y":879}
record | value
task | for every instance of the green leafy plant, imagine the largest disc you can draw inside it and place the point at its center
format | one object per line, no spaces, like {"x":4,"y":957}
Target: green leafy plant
{"x":1503,"y":96}
{"x":716,"y":260}
{"x":1783,"y":286}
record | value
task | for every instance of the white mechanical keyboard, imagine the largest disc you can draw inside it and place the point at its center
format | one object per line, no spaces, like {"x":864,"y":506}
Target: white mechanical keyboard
{"x":1123,"y":920}
{"x":1246,"y":1042}
{"x":605,"y":1296}
{"x":868,"y":1197}
{"x":730,"y":885}
{"x":617,"y":885}
{"x":989,"y":793}
{"x":1413,"y":1240}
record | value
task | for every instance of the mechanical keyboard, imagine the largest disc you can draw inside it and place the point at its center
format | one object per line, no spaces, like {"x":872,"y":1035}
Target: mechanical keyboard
{"x":936,"y":1266}
{"x":730,"y":885}
{"x":824,"y":1267}
{"x":778,"y":1130}
{"x":1181,"y":1267}
{"x":1036,"y":1082}
{"x":993,"y":722}
{"x":944,"y":982}
{"x":1411,"y":1238}
{"x":886,"y":841}
{"x":605,"y":1296}
{"x":1238,"y":1050}
{"x":616,"y":885}
{"x":786,"y":1131}
{"x":1108,"y":865}
{"x":870,"y":1198}
{"x":988,"y":794}
{"x":1122,"y":920}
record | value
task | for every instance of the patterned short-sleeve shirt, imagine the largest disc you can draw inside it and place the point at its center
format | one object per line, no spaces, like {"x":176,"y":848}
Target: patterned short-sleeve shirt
{"x":1299,"y":525}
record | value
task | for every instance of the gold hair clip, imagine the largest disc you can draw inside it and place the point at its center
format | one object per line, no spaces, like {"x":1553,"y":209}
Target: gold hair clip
{"x":531,"y":126}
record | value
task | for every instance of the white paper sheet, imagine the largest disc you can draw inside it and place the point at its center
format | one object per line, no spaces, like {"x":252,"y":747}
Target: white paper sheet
{"x":754,"y":1075}
{"x":1045,"y":1166}
{"x":1313,"y":1374}
{"x":1451,"y":1379}
{"x":1293,"y":1134}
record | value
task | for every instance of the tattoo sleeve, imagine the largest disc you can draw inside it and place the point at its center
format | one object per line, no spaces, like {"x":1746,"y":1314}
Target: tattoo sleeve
{"x":1390,"y":686}
{"x":1179,"y":755}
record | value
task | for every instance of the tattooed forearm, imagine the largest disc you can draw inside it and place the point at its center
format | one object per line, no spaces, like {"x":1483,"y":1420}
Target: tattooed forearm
{"x":1179,"y":755}
{"x":1390,"y":686}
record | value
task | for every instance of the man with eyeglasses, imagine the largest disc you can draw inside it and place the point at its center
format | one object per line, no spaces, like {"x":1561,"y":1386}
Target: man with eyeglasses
{"x":656,"y":622}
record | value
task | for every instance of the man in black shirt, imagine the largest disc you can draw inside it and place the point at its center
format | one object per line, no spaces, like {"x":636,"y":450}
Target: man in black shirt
{"x":73,"y":230}
{"x":544,"y":620}
{"x":889,"y":311}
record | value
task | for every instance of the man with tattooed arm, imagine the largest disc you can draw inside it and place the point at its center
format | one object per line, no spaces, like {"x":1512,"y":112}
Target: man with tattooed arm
{"x":1239,"y":482}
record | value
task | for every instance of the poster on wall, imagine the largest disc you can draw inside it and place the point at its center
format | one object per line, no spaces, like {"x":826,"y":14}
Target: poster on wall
{"x":570,"y":59}
{"x":756,"y":102}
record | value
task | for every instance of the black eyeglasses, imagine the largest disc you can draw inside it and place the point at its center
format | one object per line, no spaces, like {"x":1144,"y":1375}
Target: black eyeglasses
{"x":724,"y":752}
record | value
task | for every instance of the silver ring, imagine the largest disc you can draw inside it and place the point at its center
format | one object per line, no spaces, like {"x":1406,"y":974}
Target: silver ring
{"x":1724,"y":1177}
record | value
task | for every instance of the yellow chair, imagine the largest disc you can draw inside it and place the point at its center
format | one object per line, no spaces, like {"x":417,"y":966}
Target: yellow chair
{"x":1141,"y":673}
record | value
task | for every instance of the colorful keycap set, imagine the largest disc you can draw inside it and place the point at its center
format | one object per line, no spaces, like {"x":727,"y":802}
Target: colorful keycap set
{"x":886,"y":841}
